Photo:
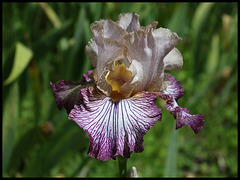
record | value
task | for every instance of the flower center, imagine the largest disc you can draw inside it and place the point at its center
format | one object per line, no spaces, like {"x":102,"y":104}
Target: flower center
{"x":118,"y":77}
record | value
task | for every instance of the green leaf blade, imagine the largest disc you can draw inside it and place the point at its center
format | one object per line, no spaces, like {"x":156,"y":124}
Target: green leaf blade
{"x":22,"y":58}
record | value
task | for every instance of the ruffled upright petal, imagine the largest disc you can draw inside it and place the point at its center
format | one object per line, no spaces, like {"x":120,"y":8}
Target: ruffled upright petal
{"x":151,"y":25}
{"x":149,"y":47}
{"x":140,"y":49}
{"x":91,"y":51}
{"x":129,"y":21}
{"x":182,"y":116}
{"x":106,"y":46}
{"x":108,"y":29}
{"x":115,"y":128}
{"x":166,"y":54}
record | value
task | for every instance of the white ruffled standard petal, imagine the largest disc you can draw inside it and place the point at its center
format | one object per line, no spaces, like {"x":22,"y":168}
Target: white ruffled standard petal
{"x":149,"y":47}
{"x":108,"y":51}
{"x":108,"y":29}
{"x":91,"y":51}
{"x":105,"y":47}
{"x":138,"y":50}
{"x":129,"y":21}
{"x":115,"y":128}
{"x":165,"y":42}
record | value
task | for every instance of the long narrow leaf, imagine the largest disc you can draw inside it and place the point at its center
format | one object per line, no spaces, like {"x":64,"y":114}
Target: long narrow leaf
{"x":51,"y":14}
{"x":171,"y":163}
{"x":10,"y":124}
{"x":22,"y":58}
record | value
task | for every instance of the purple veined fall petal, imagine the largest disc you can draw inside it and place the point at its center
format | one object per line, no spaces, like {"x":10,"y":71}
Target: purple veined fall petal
{"x":129,"y":21}
{"x":115,"y":128}
{"x":170,"y":95}
{"x":66,"y":93}
{"x":174,"y":87}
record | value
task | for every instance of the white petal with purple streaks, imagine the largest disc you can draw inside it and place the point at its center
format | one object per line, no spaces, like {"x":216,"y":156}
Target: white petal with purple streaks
{"x":115,"y":128}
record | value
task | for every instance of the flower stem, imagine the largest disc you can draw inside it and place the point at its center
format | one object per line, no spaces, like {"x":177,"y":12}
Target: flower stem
{"x":122,"y":163}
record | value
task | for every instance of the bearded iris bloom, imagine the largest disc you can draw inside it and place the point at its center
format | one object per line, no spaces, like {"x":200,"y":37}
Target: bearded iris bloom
{"x":114,"y":103}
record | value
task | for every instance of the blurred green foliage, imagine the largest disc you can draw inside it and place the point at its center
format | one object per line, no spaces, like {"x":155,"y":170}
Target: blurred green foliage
{"x":38,"y":139}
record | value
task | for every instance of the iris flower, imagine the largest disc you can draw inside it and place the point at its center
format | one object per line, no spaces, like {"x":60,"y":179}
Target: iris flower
{"x":114,"y":103}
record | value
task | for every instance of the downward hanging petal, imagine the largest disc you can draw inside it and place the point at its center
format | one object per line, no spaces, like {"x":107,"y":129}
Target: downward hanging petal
{"x":115,"y":128}
{"x":170,"y":95}
{"x":66,"y":93}
{"x":174,"y":88}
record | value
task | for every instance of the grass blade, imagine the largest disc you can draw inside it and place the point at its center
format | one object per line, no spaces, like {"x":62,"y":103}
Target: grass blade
{"x":51,"y":14}
{"x":171,"y":163}
{"x":10,"y":124}
{"x":22,"y":58}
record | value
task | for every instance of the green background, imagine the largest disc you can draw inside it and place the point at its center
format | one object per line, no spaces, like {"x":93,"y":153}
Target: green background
{"x":48,"y":41}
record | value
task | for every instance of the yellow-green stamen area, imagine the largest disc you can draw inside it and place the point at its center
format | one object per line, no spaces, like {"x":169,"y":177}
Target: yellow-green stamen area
{"x":118,"y":77}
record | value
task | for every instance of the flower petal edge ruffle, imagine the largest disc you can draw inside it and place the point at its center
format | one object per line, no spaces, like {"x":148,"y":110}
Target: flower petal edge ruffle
{"x":182,"y":116}
{"x":115,"y":128}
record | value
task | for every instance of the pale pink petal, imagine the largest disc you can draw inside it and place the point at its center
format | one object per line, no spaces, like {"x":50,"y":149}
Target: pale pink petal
{"x":103,"y":85}
{"x":106,"y":47}
{"x":108,"y":52}
{"x":138,"y":50}
{"x":173,"y":60}
{"x":91,"y":51}
{"x":149,"y":48}
{"x":164,"y":41}
{"x":108,"y":29}
{"x":129,"y":21}
{"x":151,"y":25}
{"x":159,"y":83}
